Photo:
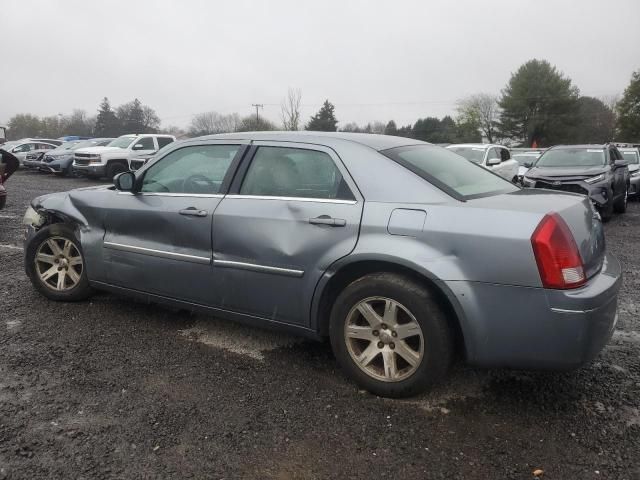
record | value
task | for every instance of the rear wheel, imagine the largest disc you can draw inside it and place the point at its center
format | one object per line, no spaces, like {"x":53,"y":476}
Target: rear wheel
{"x":55,"y":264}
{"x":390,"y":335}
{"x":620,"y":205}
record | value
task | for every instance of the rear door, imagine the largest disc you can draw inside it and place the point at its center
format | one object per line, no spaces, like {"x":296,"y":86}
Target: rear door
{"x":159,"y":240}
{"x":291,"y":213}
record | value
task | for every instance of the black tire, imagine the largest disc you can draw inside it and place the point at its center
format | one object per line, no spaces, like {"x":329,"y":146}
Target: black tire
{"x":606,"y":212}
{"x":620,"y":205}
{"x":114,"y":168}
{"x":81,"y":290}
{"x":437,"y":336}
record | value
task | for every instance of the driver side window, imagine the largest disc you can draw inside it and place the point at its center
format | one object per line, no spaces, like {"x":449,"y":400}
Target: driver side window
{"x":199,"y":169}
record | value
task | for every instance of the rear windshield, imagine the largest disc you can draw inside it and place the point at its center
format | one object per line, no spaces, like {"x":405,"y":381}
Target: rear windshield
{"x":449,"y":172}
{"x":572,"y":157}
{"x":631,"y":157}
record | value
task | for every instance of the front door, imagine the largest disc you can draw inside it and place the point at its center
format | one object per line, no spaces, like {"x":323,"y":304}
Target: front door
{"x":293,"y":214}
{"x":159,"y":239}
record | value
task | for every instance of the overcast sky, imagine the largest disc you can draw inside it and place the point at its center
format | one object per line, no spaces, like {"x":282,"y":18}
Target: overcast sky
{"x":375,"y":60}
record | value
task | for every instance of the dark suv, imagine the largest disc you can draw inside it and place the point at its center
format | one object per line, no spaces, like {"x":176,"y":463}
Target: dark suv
{"x":598,"y":171}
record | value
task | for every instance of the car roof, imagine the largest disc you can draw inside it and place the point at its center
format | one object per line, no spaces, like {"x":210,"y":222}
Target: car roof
{"x":374,"y":141}
{"x":584,"y":146}
{"x":475,"y":145}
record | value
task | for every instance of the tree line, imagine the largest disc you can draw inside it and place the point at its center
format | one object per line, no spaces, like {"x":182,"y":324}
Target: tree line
{"x":539,"y":106}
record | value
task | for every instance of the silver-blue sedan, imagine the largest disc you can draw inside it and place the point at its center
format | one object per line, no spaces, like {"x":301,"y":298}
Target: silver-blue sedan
{"x":403,"y":253}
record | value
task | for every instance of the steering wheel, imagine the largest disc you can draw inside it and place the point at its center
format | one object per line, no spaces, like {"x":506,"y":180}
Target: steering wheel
{"x":194,"y":184}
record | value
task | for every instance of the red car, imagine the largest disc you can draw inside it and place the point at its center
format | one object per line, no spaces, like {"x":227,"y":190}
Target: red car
{"x":8,"y":165}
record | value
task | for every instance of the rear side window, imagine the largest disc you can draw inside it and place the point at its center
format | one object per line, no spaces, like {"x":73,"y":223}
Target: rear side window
{"x":190,"y":170}
{"x":294,"y":172}
{"x":164,"y":141}
{"x":450,"y":172}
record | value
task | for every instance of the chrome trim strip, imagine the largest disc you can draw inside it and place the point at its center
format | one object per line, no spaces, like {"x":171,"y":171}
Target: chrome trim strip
{"x":181,"y":195}
{"x":562,"y":310}
{"x":294,"y":199}
{"x":289,"y":272}
{"x":158,"y":253}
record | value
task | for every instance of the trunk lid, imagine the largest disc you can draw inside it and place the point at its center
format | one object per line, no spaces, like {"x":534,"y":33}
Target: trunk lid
{"x":576,"y":210}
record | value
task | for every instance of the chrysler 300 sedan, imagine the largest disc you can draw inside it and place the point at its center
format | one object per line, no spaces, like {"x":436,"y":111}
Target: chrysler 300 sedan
{"x":404,"y":254}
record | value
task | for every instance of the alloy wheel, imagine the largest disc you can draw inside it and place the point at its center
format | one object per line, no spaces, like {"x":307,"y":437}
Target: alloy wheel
{"x":384,"y":339}
{"x":59,"y":263}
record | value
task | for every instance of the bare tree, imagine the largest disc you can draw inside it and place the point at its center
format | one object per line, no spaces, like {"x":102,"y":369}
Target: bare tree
{"x":480,"y":110}
{"x":208,"y":123}
{"x":290,"y":109}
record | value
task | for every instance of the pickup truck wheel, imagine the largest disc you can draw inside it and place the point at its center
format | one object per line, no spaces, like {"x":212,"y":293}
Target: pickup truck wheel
{"x":114,"y":169}
{"x":390,"y":335}
{"x":55,"y":264}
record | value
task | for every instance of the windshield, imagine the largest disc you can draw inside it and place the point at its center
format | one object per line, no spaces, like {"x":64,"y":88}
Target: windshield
{"x":122,"y":142}
{"x":475,"y":154}
{"x":449,"y":172}
{"x":523,"y":158}
{"x":572,"y":157}
{"x":631,"y":156}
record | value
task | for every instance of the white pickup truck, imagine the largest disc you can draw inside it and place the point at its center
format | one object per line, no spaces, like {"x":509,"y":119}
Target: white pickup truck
{"x":496,"y":158}
{"x":112,"y":159}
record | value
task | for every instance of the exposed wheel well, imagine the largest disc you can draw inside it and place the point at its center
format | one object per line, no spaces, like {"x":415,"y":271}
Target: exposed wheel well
{"x":118,"y":160}
{"x":356,"y":270}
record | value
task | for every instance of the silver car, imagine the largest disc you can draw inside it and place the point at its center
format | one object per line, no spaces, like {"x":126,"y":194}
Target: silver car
{"x":632,"y":156}
{"x":403,"y":253}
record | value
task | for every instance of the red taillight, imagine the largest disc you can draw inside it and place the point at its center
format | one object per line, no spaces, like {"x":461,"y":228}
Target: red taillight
{"x":557,"y":254}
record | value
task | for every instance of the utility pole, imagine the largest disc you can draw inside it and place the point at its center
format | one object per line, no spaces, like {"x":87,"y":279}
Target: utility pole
{"x":258,"y":106}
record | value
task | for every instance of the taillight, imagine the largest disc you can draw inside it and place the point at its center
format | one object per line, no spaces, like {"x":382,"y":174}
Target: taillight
{"x":557,"y":254}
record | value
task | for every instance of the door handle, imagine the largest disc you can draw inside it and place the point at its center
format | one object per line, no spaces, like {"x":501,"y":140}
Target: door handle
{"x":193,"y":211}
{"x":327,"y":220}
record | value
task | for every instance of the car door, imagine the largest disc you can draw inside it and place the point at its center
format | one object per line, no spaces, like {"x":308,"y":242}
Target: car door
{"x":158,"y":240}
{"x":492,"y":153}
{"x":508,"y":166}
{"x":291,"y":213}
{"x":21,"y":151}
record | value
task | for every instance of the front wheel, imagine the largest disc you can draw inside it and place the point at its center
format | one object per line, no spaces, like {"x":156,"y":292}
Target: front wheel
{"x":390,"y":335}
{"x":620,"y":205}
{"x":55,"y":264}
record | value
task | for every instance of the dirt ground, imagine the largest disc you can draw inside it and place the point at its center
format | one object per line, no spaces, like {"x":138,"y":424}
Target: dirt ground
{"x":112,"y":388}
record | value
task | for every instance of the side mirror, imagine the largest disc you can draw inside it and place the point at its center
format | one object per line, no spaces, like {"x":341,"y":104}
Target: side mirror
{"x":138,"y":146}
{"x":125,"y":181}
{"x":493,"y":161}
{"x":620,"y":163}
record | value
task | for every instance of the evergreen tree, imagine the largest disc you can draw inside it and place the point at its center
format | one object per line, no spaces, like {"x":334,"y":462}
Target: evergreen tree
{"x":391,"y":128}
{"x":325,"y":120}
{"x":538,"y":105}
{"x":132,"y":117}
{"x":107,"y":124}
{"x":629,"y":111}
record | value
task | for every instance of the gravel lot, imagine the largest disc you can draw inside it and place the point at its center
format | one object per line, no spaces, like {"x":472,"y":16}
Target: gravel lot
{"x":112,"y":388}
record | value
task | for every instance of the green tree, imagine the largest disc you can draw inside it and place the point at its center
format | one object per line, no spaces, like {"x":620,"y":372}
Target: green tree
{"x":107,"y":124}
{"x":434,"y":130}
{"x":132,"y":118}
{"x":538,"y":105}
{"x":251,"y":124}
{"x":391,"y":128}
{"x":325,"y":120}
{"x":595,"y":122}
{"x":629,"y":111}
{"x":467,"y":132}
{"x":23,"y":125}
{"x":479,"y":110}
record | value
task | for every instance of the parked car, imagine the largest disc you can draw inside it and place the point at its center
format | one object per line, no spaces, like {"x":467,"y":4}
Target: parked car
{"x":60,"y":160}
{"x":8,"y":164}
{"x":400,"y":269}
{"x":598,"y":171}
{"x":525,"y":160}
{"x":632,"y":156}
{"x":20,"y":148}
{"x":137,"y":162}
{"x":493,"y":157}
{"x":113,"y":158}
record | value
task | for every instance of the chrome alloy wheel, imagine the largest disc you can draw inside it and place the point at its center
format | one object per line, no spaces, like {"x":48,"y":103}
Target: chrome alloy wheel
{"x":384,"y":339}
{"x":58,"y":263}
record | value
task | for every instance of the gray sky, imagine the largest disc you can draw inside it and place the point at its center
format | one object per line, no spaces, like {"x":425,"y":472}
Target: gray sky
{"x":375,"y":60}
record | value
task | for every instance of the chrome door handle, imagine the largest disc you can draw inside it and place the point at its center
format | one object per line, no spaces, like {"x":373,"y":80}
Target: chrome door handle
{"x":194,"y":212}
{"x":327,"y":220}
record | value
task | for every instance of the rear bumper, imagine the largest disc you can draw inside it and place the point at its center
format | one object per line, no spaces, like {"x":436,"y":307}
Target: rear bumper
{"x":96,"y":170}
{"x":520,"y":327}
